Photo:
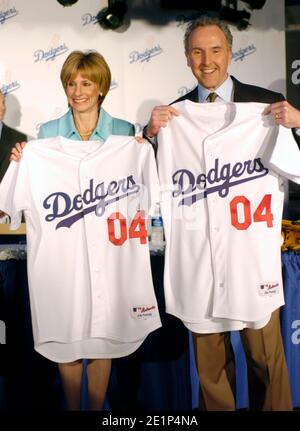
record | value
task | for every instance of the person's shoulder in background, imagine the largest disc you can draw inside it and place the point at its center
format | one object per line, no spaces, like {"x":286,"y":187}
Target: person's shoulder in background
{"x":11,"y":135}
{"x":253,"y":93}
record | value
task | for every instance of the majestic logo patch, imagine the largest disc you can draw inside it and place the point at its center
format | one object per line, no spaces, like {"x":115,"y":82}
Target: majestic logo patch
{"x":268,"y":289}
{"x":143,"y":311}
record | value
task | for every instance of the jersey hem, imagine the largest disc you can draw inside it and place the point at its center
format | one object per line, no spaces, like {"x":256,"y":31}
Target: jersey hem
{"x":229,"y":324}
{"x":92,"y":356}
{"x":106,"y":337}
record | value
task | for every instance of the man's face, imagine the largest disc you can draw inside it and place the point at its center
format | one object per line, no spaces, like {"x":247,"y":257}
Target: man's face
{"x":2,"y":106}
{"x":208,"y":56}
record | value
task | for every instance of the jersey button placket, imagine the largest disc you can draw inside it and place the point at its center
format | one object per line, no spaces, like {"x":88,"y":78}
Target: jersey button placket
{"x":215,"y":219}
{"x":90,"y":223}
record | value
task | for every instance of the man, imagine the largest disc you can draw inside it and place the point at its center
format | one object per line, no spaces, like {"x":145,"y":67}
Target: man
{"x":208,"y":45}
{"x":208,"y":53}
{"x":8,"y":138}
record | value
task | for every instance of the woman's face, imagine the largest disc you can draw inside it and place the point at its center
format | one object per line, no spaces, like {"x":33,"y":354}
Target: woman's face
{"x":82,"y":94}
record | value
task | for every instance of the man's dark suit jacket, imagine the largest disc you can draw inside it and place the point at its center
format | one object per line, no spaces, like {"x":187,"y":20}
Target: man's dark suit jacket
{"x":9,"y":137}
{"x":245,"y":93}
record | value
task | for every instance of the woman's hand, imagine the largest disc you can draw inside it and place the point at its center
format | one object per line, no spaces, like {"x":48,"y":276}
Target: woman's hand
{"x":16,"y":151}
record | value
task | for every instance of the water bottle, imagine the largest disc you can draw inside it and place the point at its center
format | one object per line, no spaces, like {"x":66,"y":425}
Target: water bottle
{"x":157,"y":231}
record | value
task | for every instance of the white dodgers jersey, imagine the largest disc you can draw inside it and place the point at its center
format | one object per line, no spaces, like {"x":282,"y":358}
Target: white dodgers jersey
{"x":221,"y":167}
{"x":89,"y":273}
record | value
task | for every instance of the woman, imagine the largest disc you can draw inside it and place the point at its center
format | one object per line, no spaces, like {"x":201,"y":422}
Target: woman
{"x":86,"y":79}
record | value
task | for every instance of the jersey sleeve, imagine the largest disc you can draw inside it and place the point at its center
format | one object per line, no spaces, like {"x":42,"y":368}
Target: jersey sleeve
{"x":284,"y":155}
{"x":13,"y":192}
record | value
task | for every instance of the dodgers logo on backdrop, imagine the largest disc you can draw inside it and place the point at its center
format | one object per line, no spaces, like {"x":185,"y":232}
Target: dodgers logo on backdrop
{"x":182,"y":91}
{"x":220,"y":178}
{"x":51,"y":54}
{"x":243,"y":52}
{"x":7,"y":14}
{"x":95,"y":198}
{"x":88,"y":18}
{"x":136,"y":56}
{"x":113,"y":85}
{"x":9,"y":88}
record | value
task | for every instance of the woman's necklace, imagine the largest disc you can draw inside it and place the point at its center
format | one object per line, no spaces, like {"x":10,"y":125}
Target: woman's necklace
{"x":85,"y":134}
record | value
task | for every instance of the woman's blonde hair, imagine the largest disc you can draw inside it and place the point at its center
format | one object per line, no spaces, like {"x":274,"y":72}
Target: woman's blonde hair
{"x":91,"y":65}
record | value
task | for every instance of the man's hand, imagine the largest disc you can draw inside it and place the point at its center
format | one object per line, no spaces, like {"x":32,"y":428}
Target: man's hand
{"x":159,"y":118}
{"x":140,"y":140}
{"x":284,"y":114}
{"x":16,"y":151}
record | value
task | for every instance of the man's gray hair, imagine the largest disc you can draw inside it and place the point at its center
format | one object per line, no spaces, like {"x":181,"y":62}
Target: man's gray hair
{"x":204,"y":21}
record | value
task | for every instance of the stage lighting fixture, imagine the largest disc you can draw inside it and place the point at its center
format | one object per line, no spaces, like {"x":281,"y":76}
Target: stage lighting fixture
{"x":67,"y":2}
{"x":255,"y":4}
{"x":112,"y":16}
{"x":238,"y":18}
